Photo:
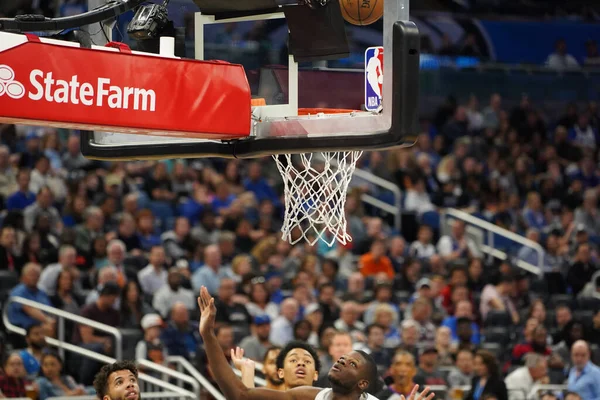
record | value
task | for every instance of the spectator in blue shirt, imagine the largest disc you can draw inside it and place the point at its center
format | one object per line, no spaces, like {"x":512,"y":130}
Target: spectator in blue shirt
{"x":533,"y":214}
{"x":180,"y":337}
{"x":584,"y":376}
{"x":223,"y":198}
{"x":258,"y":185}
{"x":22,"y":197}
{"x":24,"y":316}
{"x":464,"y":310}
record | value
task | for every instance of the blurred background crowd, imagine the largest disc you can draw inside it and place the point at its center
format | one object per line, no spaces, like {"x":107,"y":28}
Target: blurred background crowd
{"x":129,"y":244}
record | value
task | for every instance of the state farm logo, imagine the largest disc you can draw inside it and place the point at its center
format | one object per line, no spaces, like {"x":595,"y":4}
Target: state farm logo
{"x":99,"y":93}
{"x":8,"y":84}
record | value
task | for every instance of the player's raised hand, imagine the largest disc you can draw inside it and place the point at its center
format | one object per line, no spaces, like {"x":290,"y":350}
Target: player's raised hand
{"x":208,"y":312}
{"x":237,"y":357}
{"x":415,"y":395}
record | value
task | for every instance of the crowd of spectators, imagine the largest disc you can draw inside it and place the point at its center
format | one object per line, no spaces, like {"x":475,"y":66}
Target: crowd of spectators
{"x":129,"y":244}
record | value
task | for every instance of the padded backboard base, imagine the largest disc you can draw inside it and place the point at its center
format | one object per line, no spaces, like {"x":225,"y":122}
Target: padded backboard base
{"x":301,"y":134}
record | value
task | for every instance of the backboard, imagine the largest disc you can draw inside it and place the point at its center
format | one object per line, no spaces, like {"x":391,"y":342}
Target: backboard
{"x":283,"y":124}
{"x":140,"y":105}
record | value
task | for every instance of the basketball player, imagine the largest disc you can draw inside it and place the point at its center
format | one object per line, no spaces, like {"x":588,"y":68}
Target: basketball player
{"x":350,"y":376}
{"x":374,"y":73}
{"x":296,"y":365}
{"x":118,"y":381}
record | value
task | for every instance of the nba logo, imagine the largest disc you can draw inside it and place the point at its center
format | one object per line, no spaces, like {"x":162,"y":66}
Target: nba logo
{"x":373,"y":78}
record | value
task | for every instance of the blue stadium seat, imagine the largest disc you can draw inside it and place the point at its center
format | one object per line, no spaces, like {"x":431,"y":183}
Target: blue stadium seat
{"x":432,"y":219}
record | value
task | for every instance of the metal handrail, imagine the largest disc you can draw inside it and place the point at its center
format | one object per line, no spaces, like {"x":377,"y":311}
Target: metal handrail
{"x":395,"y":209}
{"x":62,"y":315}
{"x":538,"y":386}
{"x":258,"y":381}
{"x":492,"y":229}
{"x":107,"y":360}
{"x":145,"y":395}
{"x":190,"y":369}
{"x":171,"y":373}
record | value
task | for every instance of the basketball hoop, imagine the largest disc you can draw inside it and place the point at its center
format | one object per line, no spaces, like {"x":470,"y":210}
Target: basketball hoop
{"x":315,"y":187}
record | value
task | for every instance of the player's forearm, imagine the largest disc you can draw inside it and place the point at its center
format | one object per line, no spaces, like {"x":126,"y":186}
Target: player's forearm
{"x":248,"y":376}
{"x":230,"y":385}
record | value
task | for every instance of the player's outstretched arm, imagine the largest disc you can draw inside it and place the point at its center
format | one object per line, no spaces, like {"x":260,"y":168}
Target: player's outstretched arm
{"x":232,"y":387}
{"x":414,"y":395}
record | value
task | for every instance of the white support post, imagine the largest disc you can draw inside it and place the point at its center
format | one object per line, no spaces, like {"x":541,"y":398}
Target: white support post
{"x":96,"y":35}
{"x":261,"y":112}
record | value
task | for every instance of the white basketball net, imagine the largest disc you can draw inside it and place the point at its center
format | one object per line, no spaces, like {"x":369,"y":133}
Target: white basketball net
{"x":315,"y":195}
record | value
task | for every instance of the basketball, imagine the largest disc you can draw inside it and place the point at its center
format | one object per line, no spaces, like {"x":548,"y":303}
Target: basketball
{"x":361,"y":12}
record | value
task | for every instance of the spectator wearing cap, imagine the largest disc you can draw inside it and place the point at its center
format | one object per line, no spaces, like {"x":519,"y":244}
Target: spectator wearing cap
{"x":151,"y":348}
{"x":172,"y":293}
{"x":282,"y":329}
{"x":582,"y":269}
{"x":154,"y":276}
{"x":376,"y":262}
{"x":428,"y":373}
{"x":257,"y":344}
{"x":23,"y":197}
{"x":584,"y":376}
{"x":421,"y":313}
{"x":463,"y":373}
{"x":521,"y":380}
{"x":181,"y":336}
{"x":102,"y":311}
{"x":464,"y":309}
{"x":497,"y":297}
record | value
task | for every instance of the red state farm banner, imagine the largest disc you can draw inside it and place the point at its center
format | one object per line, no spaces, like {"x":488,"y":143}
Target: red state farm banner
{"x":50,"y":84}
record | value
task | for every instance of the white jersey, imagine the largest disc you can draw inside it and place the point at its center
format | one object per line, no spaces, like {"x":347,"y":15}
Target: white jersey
{"x":327,"y":394}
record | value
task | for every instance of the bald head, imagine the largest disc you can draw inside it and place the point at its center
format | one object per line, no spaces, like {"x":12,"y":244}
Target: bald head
{"x":179,"y":314}
{"x":580,"y":354}
{"x":289,"y":308}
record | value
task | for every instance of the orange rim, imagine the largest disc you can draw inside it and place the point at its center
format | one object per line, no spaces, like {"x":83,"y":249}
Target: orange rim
{"x":310,"y":111}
